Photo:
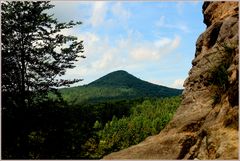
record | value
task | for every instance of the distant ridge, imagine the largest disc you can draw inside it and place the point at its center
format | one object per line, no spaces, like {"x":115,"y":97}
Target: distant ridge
{"x":118,"y":85}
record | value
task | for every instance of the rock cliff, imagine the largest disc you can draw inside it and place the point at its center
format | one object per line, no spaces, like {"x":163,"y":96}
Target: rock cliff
{"x":205,"y":125}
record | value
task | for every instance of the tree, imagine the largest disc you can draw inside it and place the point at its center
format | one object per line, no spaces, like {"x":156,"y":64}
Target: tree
{"x":32,"y":51}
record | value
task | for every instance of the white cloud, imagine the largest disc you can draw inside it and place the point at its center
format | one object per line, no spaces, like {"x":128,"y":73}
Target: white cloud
{"x":103,"y":57}
{"x":90,"y":42}
{"x":132,"y":50}
{"x":126,"y":53}
{"x":161,"y":23}
{"x":109,"y":15}
{"x":103,"y":62}
{"x":144,"y":54}
{"x":120,"y":12}
{"x":99,"y":10}
{"x":162,"y":42}
{"x":91,"y":37}
{"x":178,"y":83}
{"x":67,"y":11}
{"x":148,"y":51}
{"x":158,"y":82}
{"x":175,"y":43}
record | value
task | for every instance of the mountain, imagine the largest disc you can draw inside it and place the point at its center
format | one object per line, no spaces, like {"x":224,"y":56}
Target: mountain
{"x":122,"y":79}
{"x":117,"y":85}
{"x":206,"y":124}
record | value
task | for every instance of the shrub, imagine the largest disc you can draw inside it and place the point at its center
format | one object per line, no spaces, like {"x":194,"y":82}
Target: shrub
{"x":219,"y":74}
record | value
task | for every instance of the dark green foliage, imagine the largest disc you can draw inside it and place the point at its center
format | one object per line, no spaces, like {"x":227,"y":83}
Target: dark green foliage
{"x":50,"y":130}
{"x":219,"y":74}
{"x":32,"y":57}
{"x":118,"y":85}
{"x":147,"y":118}
{"x":55,"y":130}
{"x":220,"y":77}
{"x":32,"y":51}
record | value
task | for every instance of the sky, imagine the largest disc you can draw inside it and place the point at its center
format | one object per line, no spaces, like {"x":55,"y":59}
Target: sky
{"x":154,"y":41}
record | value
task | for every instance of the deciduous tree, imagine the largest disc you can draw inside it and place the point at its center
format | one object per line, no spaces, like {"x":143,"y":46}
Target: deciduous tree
{"x":34,"y":50}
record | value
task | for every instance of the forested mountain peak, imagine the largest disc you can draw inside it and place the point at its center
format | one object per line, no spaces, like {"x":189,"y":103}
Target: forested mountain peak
{"x":121,"y":78}
{"x":118,"y":85}
{"x":116,"y":78}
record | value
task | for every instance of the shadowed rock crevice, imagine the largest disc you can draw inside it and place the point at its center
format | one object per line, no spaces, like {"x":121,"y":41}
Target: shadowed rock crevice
{"x":186,"y":144}
{"x":214,"y":34}
{"x":193,"y":126}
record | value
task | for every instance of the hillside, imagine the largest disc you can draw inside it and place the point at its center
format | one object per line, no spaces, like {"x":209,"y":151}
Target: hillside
{"x":205,"y":125}
{"x":117,"y":85}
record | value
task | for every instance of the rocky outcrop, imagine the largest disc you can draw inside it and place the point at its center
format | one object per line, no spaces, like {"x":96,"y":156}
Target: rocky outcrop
{"x":205,"y":126}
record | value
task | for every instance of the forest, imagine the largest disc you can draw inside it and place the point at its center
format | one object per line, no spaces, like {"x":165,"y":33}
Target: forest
{"x":42,"y":121}
{"x":56,"y":130}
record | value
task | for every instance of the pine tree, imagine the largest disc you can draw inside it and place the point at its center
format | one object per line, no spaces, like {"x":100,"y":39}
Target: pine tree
{"x":33,"y":55}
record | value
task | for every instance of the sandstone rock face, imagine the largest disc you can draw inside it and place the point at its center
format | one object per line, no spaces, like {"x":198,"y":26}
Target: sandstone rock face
{"x":205,"y":126}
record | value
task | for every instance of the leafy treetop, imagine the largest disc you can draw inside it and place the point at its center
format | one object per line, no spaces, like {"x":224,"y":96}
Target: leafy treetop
{"x":33,"y":49}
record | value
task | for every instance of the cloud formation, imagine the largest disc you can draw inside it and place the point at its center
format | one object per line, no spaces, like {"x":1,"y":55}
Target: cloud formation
{"x":162,"y":23}
{"x":178,"y":83}
{"x":139,"y":37}
{"x":99,"y":9}
{"x":120,"y":12}
{"x":148,"y":51}
{"x":126,"y":53}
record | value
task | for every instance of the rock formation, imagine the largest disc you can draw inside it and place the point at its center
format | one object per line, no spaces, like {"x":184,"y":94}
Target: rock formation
{"x":205,"y":125}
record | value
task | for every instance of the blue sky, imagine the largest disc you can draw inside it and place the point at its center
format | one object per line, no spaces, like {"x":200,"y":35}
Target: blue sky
{"x":154,"y":41}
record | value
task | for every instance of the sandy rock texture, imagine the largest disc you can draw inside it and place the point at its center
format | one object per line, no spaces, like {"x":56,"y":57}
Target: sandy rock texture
{"x":205,"y":125}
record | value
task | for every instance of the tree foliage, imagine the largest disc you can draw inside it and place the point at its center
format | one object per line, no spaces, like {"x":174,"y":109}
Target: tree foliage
{"x":32,"y":50}
{"x":34,"y":54}
{"x":146,"y":119}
